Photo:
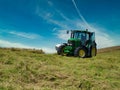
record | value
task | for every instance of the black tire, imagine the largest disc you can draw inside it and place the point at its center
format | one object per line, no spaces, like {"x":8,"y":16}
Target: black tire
{"x":93,"y":51}
{"x":60,"y":50}
{"x":80,"y":52}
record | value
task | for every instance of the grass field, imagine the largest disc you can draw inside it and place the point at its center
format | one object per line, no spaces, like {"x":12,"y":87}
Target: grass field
{"x":25,"y":70}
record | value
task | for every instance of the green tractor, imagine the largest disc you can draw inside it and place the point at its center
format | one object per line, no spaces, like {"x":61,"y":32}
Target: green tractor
{"x":81,"y":43}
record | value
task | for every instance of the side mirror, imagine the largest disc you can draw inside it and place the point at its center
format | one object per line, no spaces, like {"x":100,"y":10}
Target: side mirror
{"x":87,"y":30}
{"x":67,"y":32}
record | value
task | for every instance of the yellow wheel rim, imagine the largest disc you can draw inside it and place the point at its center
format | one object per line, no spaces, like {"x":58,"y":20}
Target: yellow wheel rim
{"x":93,"y":51}
{"x":81,"y":53}
{"x":62,"y":53}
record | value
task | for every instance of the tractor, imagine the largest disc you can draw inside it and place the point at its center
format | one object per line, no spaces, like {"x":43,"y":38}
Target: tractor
{"x":80,"y":44}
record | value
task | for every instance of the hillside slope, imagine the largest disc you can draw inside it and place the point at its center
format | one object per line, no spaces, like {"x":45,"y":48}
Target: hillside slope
{"x":33,"y":71}
{"x":108,"y":49}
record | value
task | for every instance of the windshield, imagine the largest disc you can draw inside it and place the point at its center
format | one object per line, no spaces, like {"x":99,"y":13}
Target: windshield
{"x":92,"y":37}
{"x":81,"y":35}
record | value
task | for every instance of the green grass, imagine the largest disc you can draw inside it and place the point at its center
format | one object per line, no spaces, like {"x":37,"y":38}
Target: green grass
{"x":25,"y":70}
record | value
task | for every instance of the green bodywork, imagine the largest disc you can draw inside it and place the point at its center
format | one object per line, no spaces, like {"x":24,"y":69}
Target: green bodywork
{"x":70,"y":48}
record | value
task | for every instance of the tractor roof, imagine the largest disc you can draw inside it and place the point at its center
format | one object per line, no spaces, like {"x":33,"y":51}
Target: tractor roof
{"x":84,"y":31}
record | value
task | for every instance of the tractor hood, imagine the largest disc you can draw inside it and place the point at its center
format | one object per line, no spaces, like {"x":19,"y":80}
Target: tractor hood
{"x":74,"y":42}
{"x":73,"y":39}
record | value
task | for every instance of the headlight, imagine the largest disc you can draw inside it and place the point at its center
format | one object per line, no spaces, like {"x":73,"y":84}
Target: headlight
{"x":69,"y":44}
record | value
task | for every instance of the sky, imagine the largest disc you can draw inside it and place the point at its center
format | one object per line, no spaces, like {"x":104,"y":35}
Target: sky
{"x":41,"y":24}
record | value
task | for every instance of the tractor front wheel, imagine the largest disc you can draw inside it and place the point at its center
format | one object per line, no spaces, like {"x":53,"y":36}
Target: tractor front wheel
{"x":80,"y":52}
{"x":60,"y":50}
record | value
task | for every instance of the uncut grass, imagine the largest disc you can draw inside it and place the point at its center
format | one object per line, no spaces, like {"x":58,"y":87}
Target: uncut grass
{"x":28,"y":70}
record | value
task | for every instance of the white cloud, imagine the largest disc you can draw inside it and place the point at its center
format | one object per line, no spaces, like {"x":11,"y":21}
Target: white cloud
{"x":21,"y":34}
{"x":62,"y":15}
{"x":54,"y":29}
{"x":47,"y":16}
{"x":24,"y":34}
{"x":63,"y":35}
{"x":50,"y":3}
{"x":5,"y":43}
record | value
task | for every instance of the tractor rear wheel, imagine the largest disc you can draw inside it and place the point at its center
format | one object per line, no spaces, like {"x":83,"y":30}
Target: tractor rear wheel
{"x":93,"y":51}
{"x":60,"y":50}
{"x":80,"y":52}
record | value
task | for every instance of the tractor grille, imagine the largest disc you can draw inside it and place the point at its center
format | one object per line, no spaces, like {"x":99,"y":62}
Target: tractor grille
{"x":71,"y":43}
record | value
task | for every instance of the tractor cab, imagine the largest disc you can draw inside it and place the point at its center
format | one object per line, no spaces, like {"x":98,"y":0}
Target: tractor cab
{"x":82,"y":37}
{"x":81,"y":43}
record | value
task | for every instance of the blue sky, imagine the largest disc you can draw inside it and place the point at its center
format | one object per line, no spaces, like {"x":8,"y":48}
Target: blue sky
{"x":43,"y":23}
